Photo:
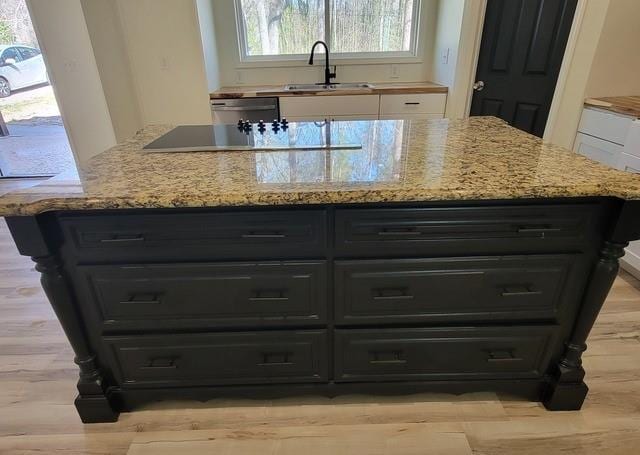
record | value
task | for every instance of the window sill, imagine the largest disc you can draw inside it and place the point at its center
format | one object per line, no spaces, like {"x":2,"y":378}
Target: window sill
{"x":339,"y":61}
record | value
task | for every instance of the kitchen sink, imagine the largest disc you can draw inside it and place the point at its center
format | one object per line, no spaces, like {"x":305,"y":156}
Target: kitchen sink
{"x":328,"y":88}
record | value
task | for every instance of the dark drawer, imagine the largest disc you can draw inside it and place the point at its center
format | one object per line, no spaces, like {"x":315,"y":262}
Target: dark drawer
{"x":467,"y":289}
{"x":222,"y":358}
{"x":197,"y":236}
{"x":464,"y":230}
{"x":166,"y":296}
{"x":433,"y":354}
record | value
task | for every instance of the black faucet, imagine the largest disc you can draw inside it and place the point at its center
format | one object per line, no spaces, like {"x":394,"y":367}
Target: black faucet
{"x":328,"y":75}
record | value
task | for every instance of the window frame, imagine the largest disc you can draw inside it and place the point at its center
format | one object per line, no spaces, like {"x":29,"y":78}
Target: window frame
{"x":409,"y":56}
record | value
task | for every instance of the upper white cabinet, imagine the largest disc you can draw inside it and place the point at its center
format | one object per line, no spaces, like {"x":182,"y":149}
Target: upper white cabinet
{"x":363,"y":107}
{"x":301,"y":108}
{"x":419,"y":104}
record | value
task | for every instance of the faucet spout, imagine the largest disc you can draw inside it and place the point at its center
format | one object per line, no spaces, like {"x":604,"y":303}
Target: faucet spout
{"x":328,"y":75}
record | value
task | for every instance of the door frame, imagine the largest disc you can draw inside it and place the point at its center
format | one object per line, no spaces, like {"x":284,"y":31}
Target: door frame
{"x":477,"y":16}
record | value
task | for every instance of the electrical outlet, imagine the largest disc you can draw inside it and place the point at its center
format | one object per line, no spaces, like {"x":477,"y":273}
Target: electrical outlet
{"x":239,"y":77}
{"x":394,"y":72}
{"x":445,"y":56}
{"x":165,"y":64}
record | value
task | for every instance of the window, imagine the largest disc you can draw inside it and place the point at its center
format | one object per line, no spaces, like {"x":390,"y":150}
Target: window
{"x":286,"y":29}
{"x":28,"y":52}
{"x":11,"y":52}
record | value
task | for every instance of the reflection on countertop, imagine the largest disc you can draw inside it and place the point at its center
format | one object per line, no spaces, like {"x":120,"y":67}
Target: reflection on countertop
{"x":400,"y":161}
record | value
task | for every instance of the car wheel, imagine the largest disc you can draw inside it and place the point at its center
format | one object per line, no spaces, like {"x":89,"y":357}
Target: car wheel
{"x":5,"y":90}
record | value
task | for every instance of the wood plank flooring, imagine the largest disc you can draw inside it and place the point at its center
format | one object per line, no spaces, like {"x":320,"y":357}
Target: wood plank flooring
{"x":37,"y":388}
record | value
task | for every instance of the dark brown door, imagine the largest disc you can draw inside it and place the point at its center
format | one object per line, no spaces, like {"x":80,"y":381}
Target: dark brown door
{"x":522,"y":47}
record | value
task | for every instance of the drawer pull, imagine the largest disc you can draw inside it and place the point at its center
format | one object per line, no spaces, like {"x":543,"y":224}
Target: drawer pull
{"x":392,"y":294}
{"x":399,"y":231}
{"x":147,"y":299}
{"x":276,"y":358}
{"x":412,"y":103}
{"x":537,"y":229}
{"x":269,"y":296}
{"x":519,"y":291}
{"x":264,"y":235}
{"x":502,"y":357}
{"x":161,"y":363}
{"x":124,"y":239}
{"x":386,"y":358}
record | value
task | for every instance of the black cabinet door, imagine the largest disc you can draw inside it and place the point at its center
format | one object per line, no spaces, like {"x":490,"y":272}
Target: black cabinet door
{"x":210,"y":295}
{"x":442,"y":353}
{"x":507,"y":288}
{"x":522,"y":48}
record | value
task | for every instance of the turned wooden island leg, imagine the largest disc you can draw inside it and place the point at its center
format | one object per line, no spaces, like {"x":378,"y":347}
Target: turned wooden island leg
{"x":567,"y":390}
{"x":92,"y":402}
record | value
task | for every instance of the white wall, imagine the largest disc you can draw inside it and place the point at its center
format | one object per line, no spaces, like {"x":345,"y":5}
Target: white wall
{"x":164,"y":46}
{"x":105,"y":30}
{"x":209,"y":43}
{"x":232,"y":72}
{"x":616,"y":65}
{"x":62,"y":32}
{"x":566,"y":108}
{"x":447,"y":41}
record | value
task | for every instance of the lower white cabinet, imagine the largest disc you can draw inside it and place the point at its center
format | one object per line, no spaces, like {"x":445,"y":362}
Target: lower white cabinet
{"x":318,"y":107}
{"x":598,"y":149}
{"x":363,"y":107}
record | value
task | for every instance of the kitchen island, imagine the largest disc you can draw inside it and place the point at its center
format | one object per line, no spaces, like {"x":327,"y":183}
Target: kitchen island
{"x":446,"y":256}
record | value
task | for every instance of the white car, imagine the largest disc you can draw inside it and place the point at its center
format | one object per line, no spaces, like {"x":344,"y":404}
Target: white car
{"x":20,"y":67}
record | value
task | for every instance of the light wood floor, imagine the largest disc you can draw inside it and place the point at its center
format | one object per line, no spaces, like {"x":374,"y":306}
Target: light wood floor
{"x":37,"y":388}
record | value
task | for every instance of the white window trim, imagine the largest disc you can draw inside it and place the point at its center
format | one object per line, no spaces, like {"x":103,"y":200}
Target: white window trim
{"x":365,"y":58}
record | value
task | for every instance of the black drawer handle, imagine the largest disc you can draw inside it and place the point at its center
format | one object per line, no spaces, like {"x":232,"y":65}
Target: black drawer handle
{"x":392,"y":294}
{"x":412,"y":103}
{"x":264,"y":235}
{"x":519,"y":291}
{"x":537,"y":229}
{"x":269,"y":296}
{"x":399,"y":231}
{"x":124,"y":239}
{"x":161,"y":363}
{"x":146,"y":299}
{"x":276,"y":358}
{"x":502,"y":356}
{"x":386,"y":358}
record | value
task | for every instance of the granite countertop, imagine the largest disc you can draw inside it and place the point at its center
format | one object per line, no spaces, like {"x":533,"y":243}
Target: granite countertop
{"x":386,"y":88}
{"x":626,"y":105}
{"x":400,"y":161}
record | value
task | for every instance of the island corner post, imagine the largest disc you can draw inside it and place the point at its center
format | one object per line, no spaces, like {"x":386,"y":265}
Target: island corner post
{"x":99,"y":401}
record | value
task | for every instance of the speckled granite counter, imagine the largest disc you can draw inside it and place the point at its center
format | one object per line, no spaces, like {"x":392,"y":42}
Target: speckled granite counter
{"x":476,"y":159}
{"x":385,"y":88}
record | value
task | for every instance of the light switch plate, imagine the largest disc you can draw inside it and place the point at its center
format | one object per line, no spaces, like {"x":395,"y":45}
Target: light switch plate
{"x":394,"y":72}
{"x":445,"y":56}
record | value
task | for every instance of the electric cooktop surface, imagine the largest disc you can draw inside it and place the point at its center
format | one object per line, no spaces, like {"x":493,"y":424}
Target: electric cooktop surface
{"x":212,"y":138}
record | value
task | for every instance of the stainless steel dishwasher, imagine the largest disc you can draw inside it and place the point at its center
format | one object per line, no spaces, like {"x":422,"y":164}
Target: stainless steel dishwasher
{"x":250,"y":109}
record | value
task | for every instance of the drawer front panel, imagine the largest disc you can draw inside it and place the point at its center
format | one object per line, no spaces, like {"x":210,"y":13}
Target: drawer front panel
{"x":413,"y":104}
{"x":206,"y":295}
{"x":466,"y":289}
{"x":172,"y":237}
{"x":464,"y":230}
{"x":223,"y":358}
{"x":599,"y":150}
{"x":463,"y":353}
{"x":605,"y":125}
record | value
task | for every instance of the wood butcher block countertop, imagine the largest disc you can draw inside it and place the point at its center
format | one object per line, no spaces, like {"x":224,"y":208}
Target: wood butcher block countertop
{"x":386,"y":88}
{"x":626,"y":105}
{"x":482,"y":158}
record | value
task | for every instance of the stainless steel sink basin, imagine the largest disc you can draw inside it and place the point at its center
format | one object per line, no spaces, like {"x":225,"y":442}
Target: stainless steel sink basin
{"x":328,"y":88}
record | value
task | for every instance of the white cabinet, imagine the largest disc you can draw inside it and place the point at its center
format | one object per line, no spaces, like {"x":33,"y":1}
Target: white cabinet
{"x":419,"y":105}
{"x":598,"y":149}
{"x":354,"y":107}
{"x":605,"y":125}
{"x":363,"y":107}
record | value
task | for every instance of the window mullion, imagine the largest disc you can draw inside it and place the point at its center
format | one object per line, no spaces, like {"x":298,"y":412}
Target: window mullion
{"x":327,"y":22}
